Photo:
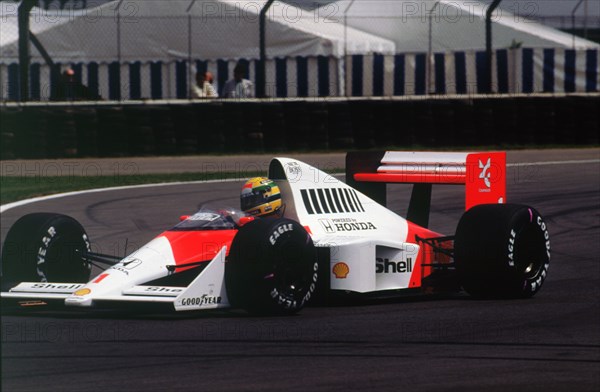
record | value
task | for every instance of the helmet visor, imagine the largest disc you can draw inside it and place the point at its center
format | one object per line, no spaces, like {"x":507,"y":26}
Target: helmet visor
{"x":256,"y":198}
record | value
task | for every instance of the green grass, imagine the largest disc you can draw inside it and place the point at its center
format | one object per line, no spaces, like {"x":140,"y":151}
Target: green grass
{"x":25,"y":187}
{"x":15,"y":188}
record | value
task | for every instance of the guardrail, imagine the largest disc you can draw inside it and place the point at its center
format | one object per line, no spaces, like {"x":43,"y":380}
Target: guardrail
{"x":80,"y":129}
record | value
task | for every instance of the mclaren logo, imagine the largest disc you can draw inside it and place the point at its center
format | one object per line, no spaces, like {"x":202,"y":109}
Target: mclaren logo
{"x":131,"y":264}
{"x":127,"y":265}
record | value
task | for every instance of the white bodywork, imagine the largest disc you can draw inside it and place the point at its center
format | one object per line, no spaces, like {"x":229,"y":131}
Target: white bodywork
{"x":356,"y":229}
{"x":120,"y":284}
{"x":366,"y":241}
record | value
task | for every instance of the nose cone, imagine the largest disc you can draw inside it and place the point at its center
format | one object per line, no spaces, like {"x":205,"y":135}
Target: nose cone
{"x":148,"y":263}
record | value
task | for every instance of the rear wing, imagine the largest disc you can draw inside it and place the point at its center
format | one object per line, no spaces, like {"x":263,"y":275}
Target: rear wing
{"x":482,"y":173}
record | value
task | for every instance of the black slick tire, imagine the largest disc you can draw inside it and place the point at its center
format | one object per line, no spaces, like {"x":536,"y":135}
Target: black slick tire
{"x":272,"y":267}
{"x":45,"y":247}
{"x":502,"y":251}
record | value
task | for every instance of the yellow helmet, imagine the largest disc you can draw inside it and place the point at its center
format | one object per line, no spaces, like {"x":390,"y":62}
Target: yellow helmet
{"x":260,"y":196}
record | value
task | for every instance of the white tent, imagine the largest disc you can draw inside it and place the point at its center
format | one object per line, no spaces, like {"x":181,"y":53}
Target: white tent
{"x":172,"y":30}
{"x":134,"y":49}
{"x":455,"y":25}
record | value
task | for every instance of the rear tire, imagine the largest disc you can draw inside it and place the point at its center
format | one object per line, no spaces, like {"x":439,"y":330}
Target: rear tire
{"x":45,"y":247}
{"x":502,"y":251}
{"x":272,"y":267}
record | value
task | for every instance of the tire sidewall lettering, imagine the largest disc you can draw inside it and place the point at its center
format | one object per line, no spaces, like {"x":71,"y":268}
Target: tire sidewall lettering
{"x":279,"y":231}
{"x":290,"y":303}
{"x":542,"y":225}
{"x":502,"y":251}
{"x":47,"y":241}
{"x":278,"y":298}
{"x":272,"y":267}
{"x":511,"y":247}
{"x":312,"y":286}
{"x":533,"y":284}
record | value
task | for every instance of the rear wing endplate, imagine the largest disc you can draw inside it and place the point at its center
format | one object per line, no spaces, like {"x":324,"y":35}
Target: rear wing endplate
{"x":482,"y":173}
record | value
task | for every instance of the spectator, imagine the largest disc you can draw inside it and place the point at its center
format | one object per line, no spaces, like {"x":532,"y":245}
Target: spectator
{"x":203,"y":87}
{"x":70,"y":89}
{"x":238,"y":87}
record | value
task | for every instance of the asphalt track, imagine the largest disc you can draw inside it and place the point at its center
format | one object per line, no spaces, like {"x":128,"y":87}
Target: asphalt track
{"x":548,"y":343}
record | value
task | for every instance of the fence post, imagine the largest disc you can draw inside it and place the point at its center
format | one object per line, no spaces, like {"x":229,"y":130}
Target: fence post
{"x":261,"y":74}
{"x":488,"y":44}
{"x":189,"y":65}
{"x":118,"y":11}
{"x":24,"y":60}
{"x":430,"y":48}
{"x":345,"y":60}
{"x":573,"y":20}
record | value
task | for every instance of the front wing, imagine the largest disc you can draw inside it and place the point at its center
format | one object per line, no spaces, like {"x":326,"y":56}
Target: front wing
{"x":206,"y":291}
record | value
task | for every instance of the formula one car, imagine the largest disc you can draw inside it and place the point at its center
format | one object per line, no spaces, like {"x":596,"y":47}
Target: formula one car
{"x":335,"y":238}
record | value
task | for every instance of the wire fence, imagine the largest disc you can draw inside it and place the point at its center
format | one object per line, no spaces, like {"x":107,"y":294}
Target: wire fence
{"x":568,"y":22}
{"x":119,"y":51}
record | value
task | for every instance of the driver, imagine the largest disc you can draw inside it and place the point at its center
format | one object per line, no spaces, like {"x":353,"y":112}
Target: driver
{"x":261,"y":197}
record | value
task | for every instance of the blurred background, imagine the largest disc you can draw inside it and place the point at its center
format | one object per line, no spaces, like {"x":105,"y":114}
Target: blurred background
{"x":338,"y":75}
{"x":131,"y":50}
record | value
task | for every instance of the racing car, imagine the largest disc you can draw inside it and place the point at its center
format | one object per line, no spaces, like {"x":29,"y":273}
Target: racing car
{"x":333,"y":237}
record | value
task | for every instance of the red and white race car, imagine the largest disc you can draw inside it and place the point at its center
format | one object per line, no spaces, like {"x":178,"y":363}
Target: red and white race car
{"x":335,"y":237}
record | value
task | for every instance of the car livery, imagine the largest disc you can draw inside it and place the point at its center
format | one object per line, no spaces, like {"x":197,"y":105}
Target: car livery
{"x":334,"y":238}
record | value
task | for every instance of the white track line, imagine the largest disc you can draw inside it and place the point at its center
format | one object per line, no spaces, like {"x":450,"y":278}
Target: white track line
{"x":6,"y":207}
{"x":549,"y":163}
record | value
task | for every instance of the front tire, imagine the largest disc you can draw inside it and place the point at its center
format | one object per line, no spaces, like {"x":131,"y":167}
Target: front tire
{"x":272,"y":267}
{"x":502,"y":251}
{"x":45,"y":247}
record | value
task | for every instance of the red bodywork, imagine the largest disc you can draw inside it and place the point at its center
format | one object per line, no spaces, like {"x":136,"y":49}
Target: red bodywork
{"x":427,"y":255}
{"x":197,"y":245}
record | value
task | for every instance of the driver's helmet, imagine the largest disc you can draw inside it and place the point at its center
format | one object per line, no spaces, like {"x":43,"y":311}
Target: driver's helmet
{"x":260,"y":197}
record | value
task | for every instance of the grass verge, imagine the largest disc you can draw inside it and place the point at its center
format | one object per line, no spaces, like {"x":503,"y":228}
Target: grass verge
{"x":25,"y":187}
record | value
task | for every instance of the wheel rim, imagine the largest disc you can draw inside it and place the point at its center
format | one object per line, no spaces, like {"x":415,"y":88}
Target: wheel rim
{"x":530,"y":253}
{"x":62,"y":258}
{"x":289,"y":277}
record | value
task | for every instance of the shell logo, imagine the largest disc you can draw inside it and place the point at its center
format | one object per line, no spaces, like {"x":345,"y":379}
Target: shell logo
{"x":82,"y":292}
{"x":341,"y":270}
